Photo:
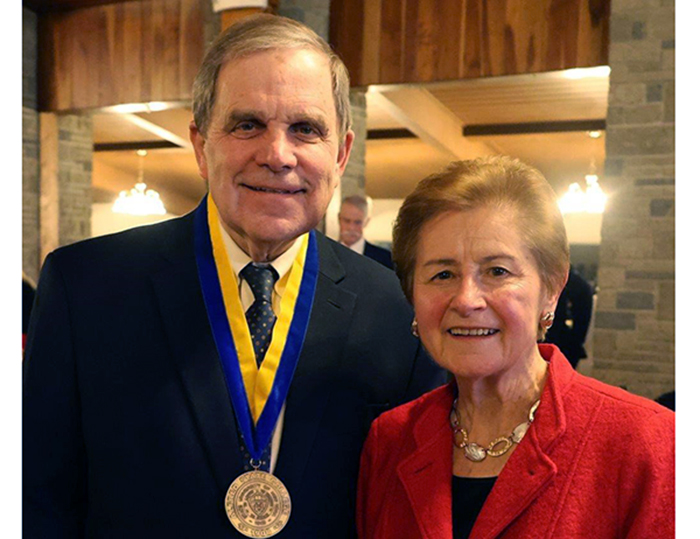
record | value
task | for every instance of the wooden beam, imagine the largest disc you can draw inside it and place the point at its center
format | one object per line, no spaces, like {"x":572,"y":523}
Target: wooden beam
{"x":431,"y":121}
{"x":384,"y":134}
{"x":157,"y":130}
{"x":528,"y":128}
{"x":133,"y":146}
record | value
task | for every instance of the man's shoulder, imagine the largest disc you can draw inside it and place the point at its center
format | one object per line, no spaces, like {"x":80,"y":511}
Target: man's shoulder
{"x":358,"y":267}
{"x":123,"y":254}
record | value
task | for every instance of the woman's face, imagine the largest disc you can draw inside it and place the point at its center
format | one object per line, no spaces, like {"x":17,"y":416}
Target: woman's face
{"x":477,"y":293}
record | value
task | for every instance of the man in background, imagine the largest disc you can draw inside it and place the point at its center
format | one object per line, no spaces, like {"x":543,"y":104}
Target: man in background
{"x":572,"y":318}
{"x":353,"y":218}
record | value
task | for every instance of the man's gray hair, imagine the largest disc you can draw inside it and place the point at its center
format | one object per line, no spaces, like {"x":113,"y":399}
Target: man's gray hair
{"x":359,"y":202}
{"x":260,"y":33}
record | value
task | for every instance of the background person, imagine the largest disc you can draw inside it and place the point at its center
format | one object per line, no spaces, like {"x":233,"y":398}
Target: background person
{"x":131,"y":420}
{"x":353,"y":218}
{"x":572,"y":318}
{"x":519,"y":445}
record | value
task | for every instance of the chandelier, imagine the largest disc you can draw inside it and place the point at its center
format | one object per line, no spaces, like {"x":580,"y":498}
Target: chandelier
{"x":139,"y":200}
{"x":592,"y":199}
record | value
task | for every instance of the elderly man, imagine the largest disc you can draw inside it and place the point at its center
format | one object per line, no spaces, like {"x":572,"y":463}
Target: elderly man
{"x":352,"y":219}
{"x":216,"y":375}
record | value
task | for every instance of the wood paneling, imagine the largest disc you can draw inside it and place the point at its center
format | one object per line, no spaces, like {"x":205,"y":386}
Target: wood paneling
{"x":395,"y":41}
{"x":129,"y":52}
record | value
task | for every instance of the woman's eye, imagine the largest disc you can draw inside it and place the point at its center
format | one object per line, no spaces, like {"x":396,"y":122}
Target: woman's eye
{"x":498,"y":271}
{"x":442,"y":276}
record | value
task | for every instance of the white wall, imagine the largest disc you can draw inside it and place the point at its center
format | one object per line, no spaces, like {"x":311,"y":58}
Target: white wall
{"x":105,"y":221}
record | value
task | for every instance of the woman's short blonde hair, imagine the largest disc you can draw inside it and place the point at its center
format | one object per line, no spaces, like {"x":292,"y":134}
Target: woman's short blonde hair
{"x":500,"y":182}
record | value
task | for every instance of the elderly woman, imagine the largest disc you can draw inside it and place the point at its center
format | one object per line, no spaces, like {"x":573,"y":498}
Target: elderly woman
{"x":519,"y":444}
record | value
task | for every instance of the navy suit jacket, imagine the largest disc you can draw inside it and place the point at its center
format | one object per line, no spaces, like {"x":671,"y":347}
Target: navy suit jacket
{"x":381,"y":255}
{"x":128,"y":426}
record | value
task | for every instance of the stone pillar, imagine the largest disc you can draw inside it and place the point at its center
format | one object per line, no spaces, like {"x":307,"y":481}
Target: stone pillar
{"x":313,"y":13}
{"x":353,"y":182}
{"x":30,"y":147}
{"x":634,"y":321}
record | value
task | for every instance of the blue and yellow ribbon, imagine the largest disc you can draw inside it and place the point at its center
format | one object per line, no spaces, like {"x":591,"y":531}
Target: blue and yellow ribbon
{"x":257,"y":395}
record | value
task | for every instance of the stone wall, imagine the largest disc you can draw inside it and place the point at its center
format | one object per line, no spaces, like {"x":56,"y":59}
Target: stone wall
{"x":313,"y":13}
{"x":353,"y":182}
{"x":74,"y":161}
{"x":634,"y":322}
{"x":74,"y":177}
{"x":30,"y":147}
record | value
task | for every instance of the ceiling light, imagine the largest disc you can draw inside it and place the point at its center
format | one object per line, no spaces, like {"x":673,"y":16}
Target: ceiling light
{"x":155,"y":106}
{"x":139,"y":200}
{"x":586,"y":72}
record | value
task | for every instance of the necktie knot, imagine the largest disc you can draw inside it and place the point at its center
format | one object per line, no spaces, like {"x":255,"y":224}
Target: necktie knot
{"x":261,"y":280}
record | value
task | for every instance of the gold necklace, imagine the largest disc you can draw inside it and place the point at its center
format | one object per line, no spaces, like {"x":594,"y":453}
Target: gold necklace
{"x":476,"y":452}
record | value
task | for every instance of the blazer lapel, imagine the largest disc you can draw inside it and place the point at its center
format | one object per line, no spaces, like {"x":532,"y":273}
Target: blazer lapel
{"x":529,"y":469}
{"x":324,"y":343}
{"x":426,"y":474}
{"x":195,"y":356}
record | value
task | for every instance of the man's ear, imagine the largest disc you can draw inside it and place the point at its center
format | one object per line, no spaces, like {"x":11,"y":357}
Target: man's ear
{"x":198,"y":143}
{"x":344,"y":151}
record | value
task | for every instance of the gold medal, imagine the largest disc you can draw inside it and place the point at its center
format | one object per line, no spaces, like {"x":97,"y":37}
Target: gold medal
{"x":258,"y":504}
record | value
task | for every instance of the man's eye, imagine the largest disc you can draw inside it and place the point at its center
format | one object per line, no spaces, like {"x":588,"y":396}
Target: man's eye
{"x":305,"y":130}
{"x":245,"y":127}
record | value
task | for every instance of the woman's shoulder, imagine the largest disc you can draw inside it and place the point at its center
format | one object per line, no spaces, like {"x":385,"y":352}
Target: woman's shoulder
{"x":399,"y":420}
{"x":620,"y":412}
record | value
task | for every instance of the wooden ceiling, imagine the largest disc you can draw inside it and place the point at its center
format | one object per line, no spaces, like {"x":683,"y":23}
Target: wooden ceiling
{"x":432,"y":115}
{"x":45,"y":6}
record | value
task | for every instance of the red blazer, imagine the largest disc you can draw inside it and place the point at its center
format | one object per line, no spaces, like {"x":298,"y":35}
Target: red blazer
{"x":597,"y":462}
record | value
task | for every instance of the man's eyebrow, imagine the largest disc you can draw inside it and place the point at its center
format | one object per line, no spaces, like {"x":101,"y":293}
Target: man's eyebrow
{"x":238,"y":115}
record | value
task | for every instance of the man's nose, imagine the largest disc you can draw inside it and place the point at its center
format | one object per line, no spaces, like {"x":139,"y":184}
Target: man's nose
{"x":469,"y":297}
{"x":277,"y":151}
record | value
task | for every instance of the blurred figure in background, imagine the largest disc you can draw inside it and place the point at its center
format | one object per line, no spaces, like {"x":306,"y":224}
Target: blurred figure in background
{"x":572,"y":318}
{"x":353,"y":218}
{"x":28,"y":293}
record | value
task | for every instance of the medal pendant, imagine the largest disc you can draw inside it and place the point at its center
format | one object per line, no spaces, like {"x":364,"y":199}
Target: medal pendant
{"x":258,"y":504}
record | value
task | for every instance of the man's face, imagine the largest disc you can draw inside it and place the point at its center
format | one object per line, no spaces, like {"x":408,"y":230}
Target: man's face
{"x":352,"y":221}
{"x":272,"y":155}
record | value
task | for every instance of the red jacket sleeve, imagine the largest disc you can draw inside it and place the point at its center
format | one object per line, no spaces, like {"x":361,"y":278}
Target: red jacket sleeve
{"x":647,"y":481}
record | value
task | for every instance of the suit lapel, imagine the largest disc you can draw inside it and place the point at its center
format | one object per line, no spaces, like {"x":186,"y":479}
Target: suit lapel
{"x":426,"y":474}
{"x":323,"y":346}
{"x":195,"y":356}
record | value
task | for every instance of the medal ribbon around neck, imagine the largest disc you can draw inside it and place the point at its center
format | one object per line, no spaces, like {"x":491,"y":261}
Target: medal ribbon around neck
{"x":257,"y":396}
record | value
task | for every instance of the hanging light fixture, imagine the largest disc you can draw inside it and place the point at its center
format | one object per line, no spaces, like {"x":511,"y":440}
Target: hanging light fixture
{"x":139,"y":200}
{"x":590,"y":200}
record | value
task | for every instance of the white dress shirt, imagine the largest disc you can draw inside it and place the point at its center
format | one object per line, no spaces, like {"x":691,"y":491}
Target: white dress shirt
{"x":283,"y":265}
{"x":358,"y":246}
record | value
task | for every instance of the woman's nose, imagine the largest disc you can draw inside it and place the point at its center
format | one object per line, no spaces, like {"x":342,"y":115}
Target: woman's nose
{"x":469,"y":297}
{"x":277,"y":151}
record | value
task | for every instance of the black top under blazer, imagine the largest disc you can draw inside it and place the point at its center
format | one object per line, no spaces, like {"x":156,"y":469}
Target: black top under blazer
{"x":128,"y":430}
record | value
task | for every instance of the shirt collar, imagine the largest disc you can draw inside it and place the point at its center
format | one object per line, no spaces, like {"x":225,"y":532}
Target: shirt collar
{"x":239,"y":259}
{"x":359,"y":246}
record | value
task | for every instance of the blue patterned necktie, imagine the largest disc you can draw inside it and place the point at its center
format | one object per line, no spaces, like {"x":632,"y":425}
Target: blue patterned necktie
{"x":260,"y":316}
